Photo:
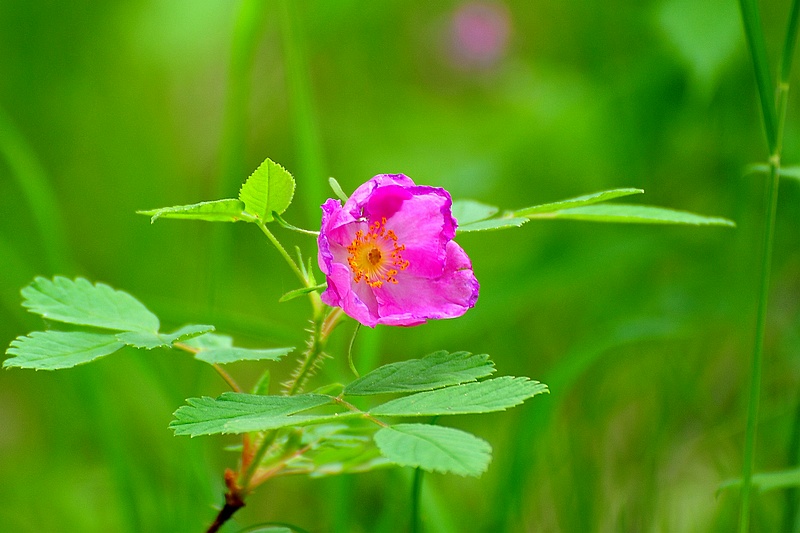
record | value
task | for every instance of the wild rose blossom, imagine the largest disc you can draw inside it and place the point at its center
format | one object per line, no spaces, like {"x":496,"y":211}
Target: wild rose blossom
{"x":389,"y":257}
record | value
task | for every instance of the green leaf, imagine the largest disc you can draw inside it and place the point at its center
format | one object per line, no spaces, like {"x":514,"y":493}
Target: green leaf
{"x":219,"y":349}
{"x":79,"y":302}
{"x":469,"y":211}
{"x":482,"y":397}
{"x":52,"y":350}
{"x":209,"y":341}
{"x":337,"y":449}
{"x":270,"y":188}
{"x":435,"y":448}
{"x":492,"y":224}
{"x":222,"y":356}
{"x":150,"y":340}
{"x":578,"y":201}
{"x":235,"y":412}
{"x":228,"y":210}
{"x":439,"y":369}
{"x":337,"y":189}
{"x":637,"y":214}
{"x":766,"y":481}
{"x":291,"y":295}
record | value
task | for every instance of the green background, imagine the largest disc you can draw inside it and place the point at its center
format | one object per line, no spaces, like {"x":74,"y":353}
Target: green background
{"x":643,"y":333}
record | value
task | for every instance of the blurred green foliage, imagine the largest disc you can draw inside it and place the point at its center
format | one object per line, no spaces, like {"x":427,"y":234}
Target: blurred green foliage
{"x":642,"y":333}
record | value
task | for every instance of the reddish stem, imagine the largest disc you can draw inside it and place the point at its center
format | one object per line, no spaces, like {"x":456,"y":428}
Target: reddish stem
{"x":233,"y":502}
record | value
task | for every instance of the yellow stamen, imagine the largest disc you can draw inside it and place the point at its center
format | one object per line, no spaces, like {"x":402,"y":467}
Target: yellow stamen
{"x":375,"y":255}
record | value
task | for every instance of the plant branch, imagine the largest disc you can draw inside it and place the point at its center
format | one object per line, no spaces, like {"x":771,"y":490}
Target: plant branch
{"x":284,"y":254}
{"x":221,"y":371}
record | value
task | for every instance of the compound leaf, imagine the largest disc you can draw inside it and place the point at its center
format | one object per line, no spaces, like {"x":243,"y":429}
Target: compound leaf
{"x":495,"y":394}
{"x":219,"y":349}
{"x":81,"y":303}
{"x":434,"y":448}
{"x":150,"y":340}
{"x":436,"y":370}
{"x":235,"y":412}
{"x":53,"y":350}
{"x":270,"y":188}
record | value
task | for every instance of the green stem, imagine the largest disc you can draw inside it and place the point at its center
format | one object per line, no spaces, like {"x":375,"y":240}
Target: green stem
{"x":758,"y":349}
{"x":790,"y":42}
{"x":416,"y":494}
{"x":350,"y":350}
{"x":284,"y":254}
{"x":227,"y":378}
{"x":774,"y":122}
{"x":754,"y":34}
{"x":248,"y":471}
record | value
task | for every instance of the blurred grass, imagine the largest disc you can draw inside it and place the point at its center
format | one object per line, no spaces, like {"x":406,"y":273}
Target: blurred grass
{"x":643,"y":333}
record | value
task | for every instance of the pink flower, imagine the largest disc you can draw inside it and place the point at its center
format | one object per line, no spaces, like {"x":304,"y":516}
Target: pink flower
{"x":389,"y":256}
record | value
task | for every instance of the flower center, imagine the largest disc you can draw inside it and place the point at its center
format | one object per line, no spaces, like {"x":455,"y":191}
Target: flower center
{"x":375,"y":255}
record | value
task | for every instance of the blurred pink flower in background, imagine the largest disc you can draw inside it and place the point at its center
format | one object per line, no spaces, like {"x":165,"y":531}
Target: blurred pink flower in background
{"x":479,"y":34}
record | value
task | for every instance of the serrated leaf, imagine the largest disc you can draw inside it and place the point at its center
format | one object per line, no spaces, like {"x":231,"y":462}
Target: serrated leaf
{"x":578,"y":201}
{"x":210,"y":340}
{"x":337,"y":189}
{"x":492,"y":224}
{"x":81,"y":303}
{"x":469,"y":211}
{"x":227,"y":210}
{"x":487,"y":396}
{"x":149,"y":340}
{"x":434,"y":448}
{"x":235,"y":412}
{"x":635,"y":214}
{"x":223,"y":356}
{"x":270,"y":188}
{"x":766,"y":481}
{"x":439,"y":369}
{"x":219,"y":349}
{"x":53,"y":350}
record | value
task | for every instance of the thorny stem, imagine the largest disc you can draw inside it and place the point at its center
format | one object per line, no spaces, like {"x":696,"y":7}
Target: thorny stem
{"x":315,"y":351}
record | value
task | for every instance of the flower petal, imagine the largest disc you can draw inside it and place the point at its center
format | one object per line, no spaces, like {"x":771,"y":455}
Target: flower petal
{"x":449,"y":296}
{"x":438,"y":281}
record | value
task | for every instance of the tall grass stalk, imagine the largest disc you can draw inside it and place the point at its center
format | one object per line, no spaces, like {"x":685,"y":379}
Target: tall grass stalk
{"x":305,"y":129}
{"x":247,"y":29}
{"x":773,"y":115}
{"x":34,"y":183}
